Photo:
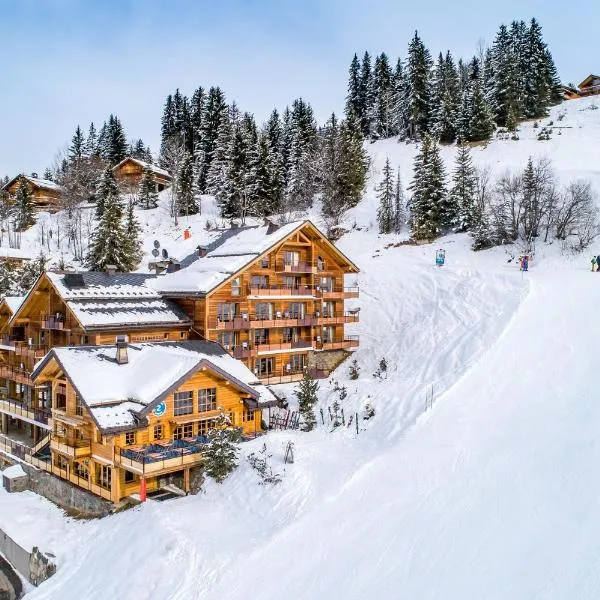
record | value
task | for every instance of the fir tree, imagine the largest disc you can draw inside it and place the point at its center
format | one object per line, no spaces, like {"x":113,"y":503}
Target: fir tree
{"x":28,"y":274}
{"x":353,"y":162}
{"x":385,"y":194}
{"x":267,"y":199}
{"x":91,"y":143}
{"x":445,"y":100}
{"x":399,"y":213}
{"x":147,"y":194}
{"x":107,"y":186}
{"x":381,"y":112}
{"x":217,"y":179}
{"x":23,"y":209}
{"x":214,"y":113}
{"x":463,"y":191}
{"x":419,"y":99}
{"x":114,"y":142}
{"x":221,"y":454}
{"x":366,"y":94}
{"x":186,"y":188}
{"x":133,"y":233}
{"x":109,"y":244}
{"x":482,"y":123}
{"x":354,"y":97}
{"x":306,"y":393}
{"x":77,"y":147}
{"x":429,"y":212}
{"x":399,"y":117}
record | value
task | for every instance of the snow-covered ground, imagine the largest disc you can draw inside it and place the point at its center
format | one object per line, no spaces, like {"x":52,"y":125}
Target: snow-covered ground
{"x":490,"y":491}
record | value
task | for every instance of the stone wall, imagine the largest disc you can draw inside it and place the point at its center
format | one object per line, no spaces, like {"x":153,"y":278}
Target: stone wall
{"x":11,"y":586}
{"x":327,"y":360}
{"x":35,"y":566}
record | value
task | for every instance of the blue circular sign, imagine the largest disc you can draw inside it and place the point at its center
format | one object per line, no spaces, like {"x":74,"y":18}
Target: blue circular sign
{"x":160,"y":409}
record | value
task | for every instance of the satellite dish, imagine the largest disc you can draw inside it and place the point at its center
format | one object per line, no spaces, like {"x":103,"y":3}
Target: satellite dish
{"x":165,"y":254}
{"x":155,"y":252}
{"x":156,"y":244}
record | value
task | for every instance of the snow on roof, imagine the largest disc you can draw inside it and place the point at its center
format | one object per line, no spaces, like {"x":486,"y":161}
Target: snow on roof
{"x":6,"y":252}
{"x":227,"y":255}
{"x":98,"y":313}
{"x":14,"y":302}
{"x":92,"y":284}
{"x":14,"y":472}
{"x":145,"y":165}
{"x":152,"y":369}
{"x":43,"y":183}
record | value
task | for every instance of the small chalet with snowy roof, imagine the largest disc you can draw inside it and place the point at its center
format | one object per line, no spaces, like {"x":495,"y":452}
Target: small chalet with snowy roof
{"x":132,"y":418}
{"x":45,"y":193}
{"x":129,"y":173}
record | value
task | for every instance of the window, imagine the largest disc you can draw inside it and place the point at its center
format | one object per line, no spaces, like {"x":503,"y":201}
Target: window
{"x":248,"y":416}
{"x":261,"y":337}
{"x":291,"y":282}
{"x":264,"y":311}
{"x":291,"y":257}
{"x":264,"y":366}
{"x":264,"y":262}
{"x":228,"y":339}
{"x":81,"y":471}
{"x":130,"y":438}
{"x":184,"y":431}
{"x":158,"y":431}
{"x":326,"y":284}
{"x":226,"y":311}
{"x":104,"y":476}
{"x":182,"y":334}
{"x":320,"y":263}
{"x":183,"y":403}
{"x":296,"y":310}
{"x":207,"y":399}
{"x":297,"y":362}
{"x":60,"y":399}
{"x":129,"y":477}
{"x":78,"y":406}
{"x":259,"y":281}
{"x":290,"y":334}
{"x":236,"y":286}
{"x":205,"y":426}
{"x":327,"y":335}
{"x":328,"y":309}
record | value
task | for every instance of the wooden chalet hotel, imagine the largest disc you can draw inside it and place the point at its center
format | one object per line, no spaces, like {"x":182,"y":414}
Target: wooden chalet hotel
{"x":112,"y":380}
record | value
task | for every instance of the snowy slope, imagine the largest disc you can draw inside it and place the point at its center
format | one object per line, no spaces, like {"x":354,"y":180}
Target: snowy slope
{"x":490,"y":493}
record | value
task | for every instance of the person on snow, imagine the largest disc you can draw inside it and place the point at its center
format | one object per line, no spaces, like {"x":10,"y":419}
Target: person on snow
{"x":593,"y":263}
{"x":598,"y":263}
{"x":525,"y":263}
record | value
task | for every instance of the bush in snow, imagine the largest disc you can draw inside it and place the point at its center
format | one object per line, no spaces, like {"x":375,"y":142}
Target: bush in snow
{"x":307,"y":399}
{"x":336,"y":415}
{"x":260,"y":463}
{"x":369,"y":412}
{"x":381,"y":372}
{"x":354,"y":370}
{"x":221,"y":454}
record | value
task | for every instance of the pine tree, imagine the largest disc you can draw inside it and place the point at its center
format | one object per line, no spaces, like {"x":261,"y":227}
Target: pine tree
{"x":429,"y":213}
{"x":28,"y":274}
{"x":505,"y":88}
{"x":419,"y":98}
{"x":214,"y":113}
{"x":91,"y":143}
{"x":137,"y":149}
{"x":445,"y":100}
{"x":353,"y":162}
{"x":381,"y":116}
{"x":274,"y":138}
{"x":306,"y":392}
{"x":366,"y":94}
{"x":23,"y":209}
{"x":109,"y":244}
{"x":48,"y":174}
{"x":147,"y":194}
{"x":77,"y":147}
{"x":399,"y":214}
{"x":107,"y":186}
{"x":186,"y":188}
{"x":114,"y":142}
{"x":133,"y":233}
{"x":354,"y":97}
{"x":217,"y":178}
{"x":221,"y":454}
{"x":385,"y":193}
{"x":400,"y":117}
{"x":266,"y":196}
{"x":482,"y":122}
{"x":536,"y":83}
{"x":463,"y":191}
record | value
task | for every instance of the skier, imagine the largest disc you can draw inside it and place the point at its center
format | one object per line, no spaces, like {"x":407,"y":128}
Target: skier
{"x":525,"y":263}
{"x":593,"y":263}
{"x":598,"y":263}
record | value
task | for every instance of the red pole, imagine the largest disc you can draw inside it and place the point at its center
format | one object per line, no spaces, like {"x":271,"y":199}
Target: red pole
{"x":143,"y":489}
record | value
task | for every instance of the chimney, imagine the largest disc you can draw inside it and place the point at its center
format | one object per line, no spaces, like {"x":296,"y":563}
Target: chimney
{"x":271,"y":227}
{"x":110,"y":269}
{"x":202,"y":251}
{"x":122,"y":358}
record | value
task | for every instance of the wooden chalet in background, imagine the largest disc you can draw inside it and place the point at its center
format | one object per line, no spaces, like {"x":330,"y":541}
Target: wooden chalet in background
{"x":45,"y":193}
{"x":590,"y":86}
{"x":129,"y":172}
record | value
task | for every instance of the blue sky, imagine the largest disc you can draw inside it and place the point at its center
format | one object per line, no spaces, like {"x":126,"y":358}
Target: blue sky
{"x":69,"y":62}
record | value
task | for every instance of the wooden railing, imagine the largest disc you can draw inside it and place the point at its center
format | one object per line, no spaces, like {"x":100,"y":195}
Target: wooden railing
{"x":281,"y":290}
{"x":19,"y":409}
{"x":246,"y":350}
{"x":345,"y":343}
{"x":73,"y":447}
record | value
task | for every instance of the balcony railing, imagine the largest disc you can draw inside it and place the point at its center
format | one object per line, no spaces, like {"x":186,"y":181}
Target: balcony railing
{"x":345,"y":343}
{"x":17,"y":374}
{"x":337,"y":292}
{"x":282,"y":266}
{"x":73,"y":447}
{"x":246,"y":349}
{"x":56,"y":322}
{"x":290,"y":375}
{"x":281,"y":290}
{"x":163,"y":456}
{"x":20,"y":409}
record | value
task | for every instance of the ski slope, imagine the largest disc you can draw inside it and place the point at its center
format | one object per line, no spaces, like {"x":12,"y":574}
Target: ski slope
{"x":488,"y":491}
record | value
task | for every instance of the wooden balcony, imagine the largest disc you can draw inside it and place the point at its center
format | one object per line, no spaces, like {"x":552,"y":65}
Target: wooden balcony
{"x":281,"y":291}
{"x":56,"y":322}
{"x":347,"y":343}
{"x":281,"y":319}
{"x":248,"y":350}
{"x":301,"y":267}
{"x":16,"y":408}
{"x":156,"y":459}
{"x":337,"y":293}
{"x":338,"y":319}
{"x":16,"y":374}
{"x":235,"y":324}
{"x":71,"y":447}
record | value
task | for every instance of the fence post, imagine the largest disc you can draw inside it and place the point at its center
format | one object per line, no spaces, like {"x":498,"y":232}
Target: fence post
{"x":356,"y":423}
{"x":322,"y":417}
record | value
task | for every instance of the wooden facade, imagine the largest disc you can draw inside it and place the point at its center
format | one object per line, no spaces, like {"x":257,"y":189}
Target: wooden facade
{"x":129,"y":173}
{"x":590,"y":86}
{"x":283,"y":310}
{"x":45,"y":194}
{"x":116,"y":464}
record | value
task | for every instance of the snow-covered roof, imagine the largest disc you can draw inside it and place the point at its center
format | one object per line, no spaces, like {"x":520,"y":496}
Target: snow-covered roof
{"x":93,"y":284}
{"x":45,"y":184}
{"x":153,"y":370}
{"x":13,"y":302}
{"x":230,"y":253}
{"x":103,"y":313}
{"x":145,"y":165}
{"x":18,"y":253}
